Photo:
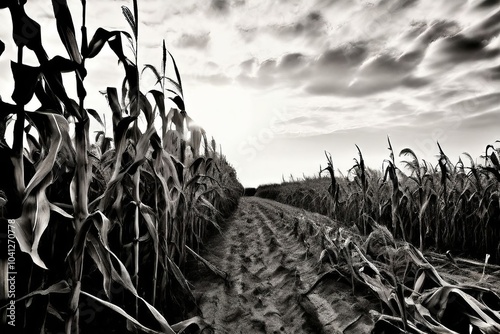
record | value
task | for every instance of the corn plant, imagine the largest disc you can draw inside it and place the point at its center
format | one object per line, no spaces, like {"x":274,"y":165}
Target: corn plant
{"x":418,"y":175}
{"x":396,"y":194}
{"x":105,"y":228}
{"x":333,"y":188}
{"x":361,"y":180}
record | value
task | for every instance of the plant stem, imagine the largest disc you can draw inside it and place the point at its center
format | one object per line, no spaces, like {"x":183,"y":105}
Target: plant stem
{"x":82,"y":183}
{"x":137,"y":180}
{"x":18,"y":142}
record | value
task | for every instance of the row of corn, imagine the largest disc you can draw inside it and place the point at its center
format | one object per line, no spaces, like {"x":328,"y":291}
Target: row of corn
{"x":105,"y":224}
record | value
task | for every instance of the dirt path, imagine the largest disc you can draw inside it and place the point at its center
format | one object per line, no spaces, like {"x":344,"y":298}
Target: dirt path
{"x":271,"y":252}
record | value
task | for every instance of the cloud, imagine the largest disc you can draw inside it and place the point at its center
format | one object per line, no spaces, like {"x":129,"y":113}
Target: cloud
{"x":342,"y":58}
{"x":460,"y":48}
{"x":284,"y":22}
{"x":197,"y":41}
{"x":248,"y":65}
{"x":248,"y":34}
{"x":476,"y":105}
{"x":221,"y":6}
{"x":367,"y":65}
{"x":267,"y":67}
{"x":401,"y":5}
{"x":488,"y":28}
{"x":272,"y":71}
{"x":352,"y":73}
{"x":311,"y":25}
{"x":210,"y":73}
{"x":291,"y":61}
{"x":313,"y":121}
{"x":427,"y":33}
{"x":294,"y":69}
{"x":491,"y":73}
{"x":487,"y":3}
{"x":215,"y":79}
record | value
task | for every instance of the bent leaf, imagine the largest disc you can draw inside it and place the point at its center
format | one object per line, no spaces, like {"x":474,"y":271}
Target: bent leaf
{"x":34,"y":220}
{"x":54,"y":137}
{"x":124,"y":314}
{"x":25,"y":78}
{"x":97,"y":42}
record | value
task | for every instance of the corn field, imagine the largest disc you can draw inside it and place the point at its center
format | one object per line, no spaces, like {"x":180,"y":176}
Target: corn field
{"x":443,"y":208}
{"x":104,"y":224}
{"x":440,"y":206}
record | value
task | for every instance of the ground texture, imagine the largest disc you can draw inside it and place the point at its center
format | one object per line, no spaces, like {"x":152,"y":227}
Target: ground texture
{"x":276,"y":283}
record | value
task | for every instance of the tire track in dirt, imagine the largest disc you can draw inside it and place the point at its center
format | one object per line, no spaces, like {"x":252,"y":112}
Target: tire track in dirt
{"x":270,"y":252}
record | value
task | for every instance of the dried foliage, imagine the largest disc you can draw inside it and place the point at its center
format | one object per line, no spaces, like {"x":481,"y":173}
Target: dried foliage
{"x":414,"y":296}
{"x":442,"y":207}
{"x":439,"y":207}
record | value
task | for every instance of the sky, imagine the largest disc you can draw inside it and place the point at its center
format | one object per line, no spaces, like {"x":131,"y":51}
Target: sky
{"x":278,"y":83}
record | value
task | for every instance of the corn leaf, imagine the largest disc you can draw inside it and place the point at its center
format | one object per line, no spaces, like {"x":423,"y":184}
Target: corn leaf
{"x":210,"y":266}
{"x":79,"y":186}
{"x":96,"y":116}
{"x":132,"y":78}
{"x":34,"y":220}
{"x":47,"y":98}
{"x":148,"y":215}
{"x":7,"y":109}
{"x":115,"y":43}
{"x":60,"y":211}
{"x":54,"y":136}
{"x":124,"y":314}
{"x":25,"y":78}
{"x":59,"y":287}
{"x":159,"y":98}
{"x":179,"y":102}
{"x":55,"y":83}
{"x":154,"y":70}
{"x":32,"y":40}
{"x":95,"y":230}
{"x":178,"y":119}
{"x":66,"y":29}
{"x":181,"y":280}
{"x":177,"y":75}
{"x":198,"y":321}
{"x":63,"y":65}
{"x":101,"y":36}
{"x":145,"y":106}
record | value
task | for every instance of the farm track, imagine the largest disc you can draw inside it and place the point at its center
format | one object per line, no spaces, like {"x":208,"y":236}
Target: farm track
{"x":270,"y":252}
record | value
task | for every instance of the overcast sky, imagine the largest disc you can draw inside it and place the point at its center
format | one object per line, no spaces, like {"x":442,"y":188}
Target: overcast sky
{"x":278,"y":82}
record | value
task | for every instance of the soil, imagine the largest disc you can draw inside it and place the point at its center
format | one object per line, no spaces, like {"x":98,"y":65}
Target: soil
{"x":272,"y":274}
{"x":276,"y":283}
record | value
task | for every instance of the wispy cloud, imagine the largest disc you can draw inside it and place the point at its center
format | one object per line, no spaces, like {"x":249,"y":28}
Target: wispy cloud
{"x":197,"y":41}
